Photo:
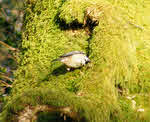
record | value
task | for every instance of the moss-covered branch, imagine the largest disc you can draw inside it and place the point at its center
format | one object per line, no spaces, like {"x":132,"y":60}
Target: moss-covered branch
{"x":30,"y":113}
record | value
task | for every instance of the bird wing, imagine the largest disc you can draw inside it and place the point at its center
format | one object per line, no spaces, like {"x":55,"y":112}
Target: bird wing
{"x":71,"y":53}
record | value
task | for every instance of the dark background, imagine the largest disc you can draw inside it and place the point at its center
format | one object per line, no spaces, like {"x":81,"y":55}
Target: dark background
{"x":11,"y":17}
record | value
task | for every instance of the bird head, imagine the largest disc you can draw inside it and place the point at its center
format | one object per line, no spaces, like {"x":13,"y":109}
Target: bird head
{"x":87,"y":60}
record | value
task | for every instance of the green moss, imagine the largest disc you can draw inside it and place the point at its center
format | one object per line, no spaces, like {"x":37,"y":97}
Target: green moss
{"x":59,"y":97}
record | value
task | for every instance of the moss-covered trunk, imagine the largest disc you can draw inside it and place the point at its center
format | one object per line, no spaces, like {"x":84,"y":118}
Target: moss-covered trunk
{"x":109,"y":32}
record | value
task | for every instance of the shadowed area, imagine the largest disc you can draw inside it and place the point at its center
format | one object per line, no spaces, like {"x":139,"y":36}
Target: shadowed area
{"x":52,"y":117}
{"x":60,"y":70}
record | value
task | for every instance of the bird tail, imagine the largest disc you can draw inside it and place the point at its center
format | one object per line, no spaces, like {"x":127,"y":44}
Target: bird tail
{"x":58,"y":59}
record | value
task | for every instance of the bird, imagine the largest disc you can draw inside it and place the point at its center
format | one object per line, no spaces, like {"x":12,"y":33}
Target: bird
{"x":74,"y":59}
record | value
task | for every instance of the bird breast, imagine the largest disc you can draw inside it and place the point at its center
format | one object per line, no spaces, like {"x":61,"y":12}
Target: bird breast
{"x":74,"y":61}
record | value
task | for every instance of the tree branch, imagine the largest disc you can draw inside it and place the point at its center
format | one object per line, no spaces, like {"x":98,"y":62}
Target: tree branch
{"x":30,"y":113}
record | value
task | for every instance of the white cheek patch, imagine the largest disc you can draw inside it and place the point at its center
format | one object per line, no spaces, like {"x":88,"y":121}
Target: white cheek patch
{"x":86,"y":58}
{"x":83,"y":62}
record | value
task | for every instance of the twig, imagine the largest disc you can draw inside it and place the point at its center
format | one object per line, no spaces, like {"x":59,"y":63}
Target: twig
{"x":4,"y":12}
{"x":137,"y":26}
{"x":5,"y":77}
{"x":9,"y":47}
{"x":12,"y":57}
{"x":6,"y":84}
